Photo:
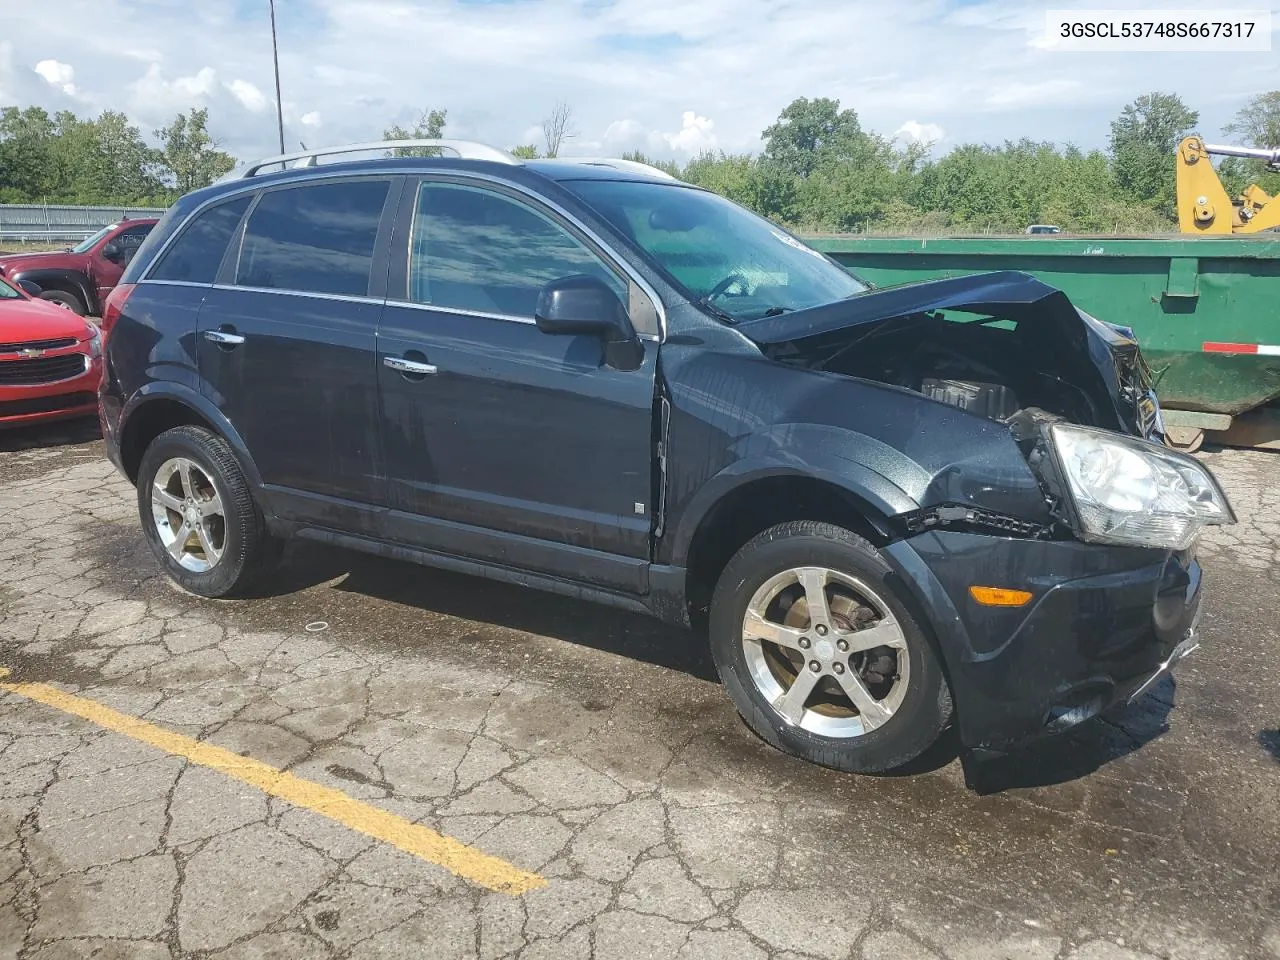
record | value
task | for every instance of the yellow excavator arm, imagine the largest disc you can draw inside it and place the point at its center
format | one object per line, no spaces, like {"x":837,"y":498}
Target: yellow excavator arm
{"x":1203,"y":204}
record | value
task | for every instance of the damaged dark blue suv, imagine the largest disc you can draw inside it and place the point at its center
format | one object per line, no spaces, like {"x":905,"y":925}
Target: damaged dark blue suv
{"x":891,"y":510}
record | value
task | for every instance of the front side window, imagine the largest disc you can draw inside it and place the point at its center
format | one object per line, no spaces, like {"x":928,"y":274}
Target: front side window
{"x":480,"y":251}
{"x":198,"y":251}
{"x":315,"y":239}
{"x":735,"y":264}
{"x":8,"y":293}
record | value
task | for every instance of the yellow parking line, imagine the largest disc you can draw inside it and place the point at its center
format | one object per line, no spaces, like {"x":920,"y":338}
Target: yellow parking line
{"x":455,"y":856}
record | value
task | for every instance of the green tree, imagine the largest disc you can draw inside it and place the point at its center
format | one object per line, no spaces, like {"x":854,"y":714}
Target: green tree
{"x":1142,"y":143}
{"x":189,"y":156}
{"x":429,"y":126}
{"x":526,"y":151}
{"x":27,"y":148}
{"x":809,"y":132}
{"x":1257,"y":123}
{"x":105,"y":160}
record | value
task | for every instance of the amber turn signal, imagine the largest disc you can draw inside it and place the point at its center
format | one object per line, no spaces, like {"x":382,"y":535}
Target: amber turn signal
{"x":999,"y":597}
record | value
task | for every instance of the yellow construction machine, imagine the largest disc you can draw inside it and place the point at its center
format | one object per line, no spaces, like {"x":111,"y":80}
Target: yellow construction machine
{"x":1203,"y":203}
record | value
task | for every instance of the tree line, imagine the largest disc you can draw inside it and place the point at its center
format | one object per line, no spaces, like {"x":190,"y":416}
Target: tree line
{"x":819,"y":169}
{"x":64,"y":158}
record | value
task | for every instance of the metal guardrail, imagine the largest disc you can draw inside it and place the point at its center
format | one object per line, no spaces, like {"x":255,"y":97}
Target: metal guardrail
{"x":50,"y":222}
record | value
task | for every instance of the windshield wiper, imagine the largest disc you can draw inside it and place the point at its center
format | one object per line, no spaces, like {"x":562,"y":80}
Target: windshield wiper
{"x":775,"y":312}
{"x":706,"y":304}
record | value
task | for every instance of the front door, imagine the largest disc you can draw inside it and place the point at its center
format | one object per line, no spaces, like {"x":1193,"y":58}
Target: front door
{"x":287,"y":347}
{"x":502,"y":442}
{"x":106,"y":273}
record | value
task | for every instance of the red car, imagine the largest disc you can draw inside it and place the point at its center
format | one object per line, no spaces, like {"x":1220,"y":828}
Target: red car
{"x":50,"y":360}
{"x":81,"y":277}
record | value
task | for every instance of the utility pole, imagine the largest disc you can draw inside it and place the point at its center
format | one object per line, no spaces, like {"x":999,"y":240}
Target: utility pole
{"x":275,"y":58}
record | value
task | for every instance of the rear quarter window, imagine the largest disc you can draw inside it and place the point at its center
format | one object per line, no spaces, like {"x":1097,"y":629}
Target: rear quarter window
{"x":198,"y":251}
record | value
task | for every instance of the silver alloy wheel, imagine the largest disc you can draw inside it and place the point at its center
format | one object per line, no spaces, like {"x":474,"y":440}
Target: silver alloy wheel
{"x":826,"y":652}
{"x":187,"y":509}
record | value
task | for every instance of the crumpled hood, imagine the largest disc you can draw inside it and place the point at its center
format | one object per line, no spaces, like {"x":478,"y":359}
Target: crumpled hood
{"x":1008,"y":293}
{"x":1100,"y":357}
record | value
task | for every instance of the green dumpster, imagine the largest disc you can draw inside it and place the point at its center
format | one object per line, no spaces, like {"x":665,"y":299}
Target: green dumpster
{"x":1204,"y":309}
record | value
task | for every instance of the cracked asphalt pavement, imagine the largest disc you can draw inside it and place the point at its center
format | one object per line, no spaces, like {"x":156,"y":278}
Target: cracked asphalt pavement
{"x":591,"y":747}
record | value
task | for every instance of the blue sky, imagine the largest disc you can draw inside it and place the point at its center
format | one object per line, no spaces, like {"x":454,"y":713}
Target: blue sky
{"x":669,"y":77}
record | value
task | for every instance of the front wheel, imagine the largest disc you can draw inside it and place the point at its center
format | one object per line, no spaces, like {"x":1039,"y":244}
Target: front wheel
{"x":199,"y":517}
{"x":821,"y":656}
{"x":68,"y":301}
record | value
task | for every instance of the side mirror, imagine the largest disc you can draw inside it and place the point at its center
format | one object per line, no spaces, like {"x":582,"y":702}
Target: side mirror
{"x":29,"y":288}
{"x":586,"y":305}
{"x":112,"y":252}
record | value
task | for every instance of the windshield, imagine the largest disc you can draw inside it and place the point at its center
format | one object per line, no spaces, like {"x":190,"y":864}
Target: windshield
{"x":730,"y":261}
{"x":8,"y":293}
{"x":84,"y":246}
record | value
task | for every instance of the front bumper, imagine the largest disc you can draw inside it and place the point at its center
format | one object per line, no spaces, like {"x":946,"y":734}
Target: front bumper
{"x":1103,"y":624}
{"x":23,"y":404}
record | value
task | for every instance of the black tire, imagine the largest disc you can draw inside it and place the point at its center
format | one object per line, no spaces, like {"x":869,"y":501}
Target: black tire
{"x":925,"y":710}
{"x":64,"y":299}
{"x":249,"y":552}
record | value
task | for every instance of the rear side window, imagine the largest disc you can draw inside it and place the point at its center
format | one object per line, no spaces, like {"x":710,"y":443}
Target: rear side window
{"x":314,"y":239}
{"x":197,"y":253}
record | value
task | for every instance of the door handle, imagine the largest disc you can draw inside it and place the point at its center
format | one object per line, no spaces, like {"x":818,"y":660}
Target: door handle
{"x":224,"y":338}
{"x":409,"y":366}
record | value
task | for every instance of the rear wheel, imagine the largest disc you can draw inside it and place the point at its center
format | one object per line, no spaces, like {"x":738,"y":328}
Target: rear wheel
{"x":63,"y":299}
{"x":199,"y":516}
{"x":820,"y":654}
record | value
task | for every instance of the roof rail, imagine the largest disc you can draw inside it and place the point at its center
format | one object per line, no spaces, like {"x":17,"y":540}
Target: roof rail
{"x":635,"y":166}
{"x":466,"y":149}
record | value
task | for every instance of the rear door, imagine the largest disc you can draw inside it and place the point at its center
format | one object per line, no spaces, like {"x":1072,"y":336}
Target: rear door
{"x":517,"y":447}
{"x":287,"y":345}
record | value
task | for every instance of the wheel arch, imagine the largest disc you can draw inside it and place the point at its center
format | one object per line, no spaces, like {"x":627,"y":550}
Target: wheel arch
{"x":160,"y":407}
{"x":68,"y":281}
{"x":763,"y":498}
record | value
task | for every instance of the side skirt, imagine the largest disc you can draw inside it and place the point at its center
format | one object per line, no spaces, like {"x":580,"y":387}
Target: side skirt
{"x":662,"y":605}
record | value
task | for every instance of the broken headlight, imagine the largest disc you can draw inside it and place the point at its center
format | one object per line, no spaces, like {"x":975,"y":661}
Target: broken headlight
{"x":1128,"y":491}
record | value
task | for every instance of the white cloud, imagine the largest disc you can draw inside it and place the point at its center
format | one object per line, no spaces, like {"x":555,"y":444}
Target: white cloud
{"x":920,"y":132}
{"x":1021,"y":96}
{"x":694,"y":134}
{"x":58,"y":74}
{"x":6,"y":70}
{"x":311,"y":119}
{"x":250,"y":97}
{"x":154,"y":96}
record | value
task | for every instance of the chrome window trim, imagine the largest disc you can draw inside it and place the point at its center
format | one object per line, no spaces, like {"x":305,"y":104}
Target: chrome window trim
{"x":249,"y":186}
{"x":456,"y":311}
{"x":408,"y":304}
{"x":289,"y":292}
{"x":172,"y":283}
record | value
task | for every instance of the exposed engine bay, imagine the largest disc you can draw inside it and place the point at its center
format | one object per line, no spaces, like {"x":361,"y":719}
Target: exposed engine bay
{"x":991,"y":345}
{"x":985,"y":366}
